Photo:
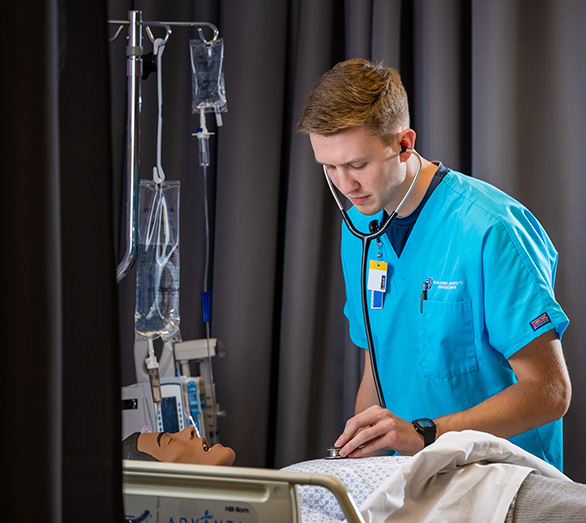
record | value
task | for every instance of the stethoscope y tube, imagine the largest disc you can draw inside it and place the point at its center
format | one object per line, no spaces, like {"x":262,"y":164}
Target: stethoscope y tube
{"x":374,"y":233}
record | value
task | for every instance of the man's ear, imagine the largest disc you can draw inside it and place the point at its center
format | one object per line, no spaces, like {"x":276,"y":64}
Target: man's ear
{"x":406,"y":140}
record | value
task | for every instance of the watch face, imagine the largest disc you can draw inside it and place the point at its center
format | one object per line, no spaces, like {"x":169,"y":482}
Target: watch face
{"x":426,"y":427}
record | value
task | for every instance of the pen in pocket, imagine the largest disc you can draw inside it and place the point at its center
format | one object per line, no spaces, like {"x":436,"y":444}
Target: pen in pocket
{"x":423,"y":296}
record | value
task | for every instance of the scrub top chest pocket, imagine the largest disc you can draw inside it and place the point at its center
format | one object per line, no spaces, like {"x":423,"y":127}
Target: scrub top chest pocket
{"x":446,"y":339}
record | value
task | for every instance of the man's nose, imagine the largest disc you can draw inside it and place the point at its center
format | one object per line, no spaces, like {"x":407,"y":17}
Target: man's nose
{"x":344,"y":181}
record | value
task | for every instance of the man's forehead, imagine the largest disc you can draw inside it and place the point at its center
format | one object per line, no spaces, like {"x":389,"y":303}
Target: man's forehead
{"x":345,"y":147}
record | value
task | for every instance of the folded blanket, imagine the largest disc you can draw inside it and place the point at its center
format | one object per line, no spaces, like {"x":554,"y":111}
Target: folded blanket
{"x":463,"y":476}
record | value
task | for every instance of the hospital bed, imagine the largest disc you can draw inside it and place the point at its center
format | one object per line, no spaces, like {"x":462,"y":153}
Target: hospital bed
{"x":170,"y":492}
{"x":463,"y":476}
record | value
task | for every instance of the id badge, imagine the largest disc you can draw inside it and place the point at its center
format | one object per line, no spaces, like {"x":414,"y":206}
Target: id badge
{"x":377,"y":283}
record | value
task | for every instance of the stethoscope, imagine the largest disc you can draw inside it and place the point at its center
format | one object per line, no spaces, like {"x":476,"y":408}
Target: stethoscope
{"x":375,"y":231}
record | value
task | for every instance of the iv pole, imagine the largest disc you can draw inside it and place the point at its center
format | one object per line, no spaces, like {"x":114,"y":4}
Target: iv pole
{"x":134,"y":69}
{"x":133,"y":72}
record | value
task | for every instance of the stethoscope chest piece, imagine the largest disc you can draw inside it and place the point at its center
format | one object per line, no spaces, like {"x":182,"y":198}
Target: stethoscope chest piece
{"x":334,"y":453}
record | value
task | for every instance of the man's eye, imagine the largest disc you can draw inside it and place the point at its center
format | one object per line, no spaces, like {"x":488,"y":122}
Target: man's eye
{"x":357,"y":167}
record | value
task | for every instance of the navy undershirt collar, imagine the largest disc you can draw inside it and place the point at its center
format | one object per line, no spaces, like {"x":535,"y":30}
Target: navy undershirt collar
{"x":399,"y":231}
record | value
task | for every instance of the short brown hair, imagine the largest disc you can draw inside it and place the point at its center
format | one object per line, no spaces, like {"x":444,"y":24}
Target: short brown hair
{"x":356,"y":92}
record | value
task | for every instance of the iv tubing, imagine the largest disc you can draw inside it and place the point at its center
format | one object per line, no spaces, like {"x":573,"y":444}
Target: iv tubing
{"x":153,"y":371}
{"x":159,"y":47}
{"x":203,"y":141}
{"x":204,"y":158}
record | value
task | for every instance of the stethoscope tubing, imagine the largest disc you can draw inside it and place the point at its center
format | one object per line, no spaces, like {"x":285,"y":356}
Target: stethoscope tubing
{"x":366,"y":238}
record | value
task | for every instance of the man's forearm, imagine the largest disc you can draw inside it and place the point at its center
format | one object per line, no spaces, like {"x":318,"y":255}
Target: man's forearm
{"x":514,"y":410}
{"x":365,"y":397}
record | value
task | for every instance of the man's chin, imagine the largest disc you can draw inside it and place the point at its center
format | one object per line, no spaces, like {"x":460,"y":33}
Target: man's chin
{"x":367,"y":210}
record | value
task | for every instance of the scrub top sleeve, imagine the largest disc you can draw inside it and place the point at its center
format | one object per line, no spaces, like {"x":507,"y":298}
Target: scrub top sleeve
{"x":519,"y":265}
{"x":356,"y":328}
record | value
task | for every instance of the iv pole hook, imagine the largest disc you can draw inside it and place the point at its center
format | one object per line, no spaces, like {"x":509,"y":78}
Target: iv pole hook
{"x":148,"y":25}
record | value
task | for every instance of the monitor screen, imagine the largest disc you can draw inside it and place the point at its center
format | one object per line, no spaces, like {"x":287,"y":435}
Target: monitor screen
{"x":170,"y":415}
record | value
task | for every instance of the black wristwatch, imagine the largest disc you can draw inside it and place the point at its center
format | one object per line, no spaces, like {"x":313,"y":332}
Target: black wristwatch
{"x":426,"y":427}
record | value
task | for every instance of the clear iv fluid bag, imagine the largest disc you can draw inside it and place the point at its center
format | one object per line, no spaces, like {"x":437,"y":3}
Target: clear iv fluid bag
{"x":157,"y":274}
{"x":207,"y":63}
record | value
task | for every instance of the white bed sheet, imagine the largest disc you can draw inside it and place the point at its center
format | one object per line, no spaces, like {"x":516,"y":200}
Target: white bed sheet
{"x":463,"y":476}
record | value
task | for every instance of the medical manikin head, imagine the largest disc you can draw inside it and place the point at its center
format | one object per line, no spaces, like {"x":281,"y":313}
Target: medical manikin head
{"x":356,"y":93}
{"x":178,"y":447}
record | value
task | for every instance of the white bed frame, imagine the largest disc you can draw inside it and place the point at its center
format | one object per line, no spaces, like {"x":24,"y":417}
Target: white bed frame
{"x":178,"y":493}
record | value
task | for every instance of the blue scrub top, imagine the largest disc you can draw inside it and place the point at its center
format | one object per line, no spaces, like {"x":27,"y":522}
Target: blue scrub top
{"x":490,"y":269}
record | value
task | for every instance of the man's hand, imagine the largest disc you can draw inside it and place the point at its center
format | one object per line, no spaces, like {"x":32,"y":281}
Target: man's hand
{"x":376,"y":428}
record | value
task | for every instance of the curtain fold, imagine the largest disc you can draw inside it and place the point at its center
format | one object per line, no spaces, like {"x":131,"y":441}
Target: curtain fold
{"x":442,"y":80}
{"x":90,"y":351}
{"x":528,"y":112}
{"x":247,"y":221}
{"x":61,"y":391}
{"x":32,"y":311}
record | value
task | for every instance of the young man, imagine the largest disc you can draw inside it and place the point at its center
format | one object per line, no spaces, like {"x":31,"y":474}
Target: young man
{"x":468,"y":334}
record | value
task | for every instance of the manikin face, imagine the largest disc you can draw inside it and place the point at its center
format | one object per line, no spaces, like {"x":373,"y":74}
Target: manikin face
{"x":184,"y":447}
{"x":363,"y":168}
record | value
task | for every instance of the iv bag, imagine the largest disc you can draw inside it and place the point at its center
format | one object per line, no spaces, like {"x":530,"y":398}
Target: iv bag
{"x":157,"y":275}
{"x":207,"y":63}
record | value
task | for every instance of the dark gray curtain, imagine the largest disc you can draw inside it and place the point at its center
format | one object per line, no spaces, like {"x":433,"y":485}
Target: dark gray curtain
{"x":61,"y":360}
{"x":495,"y":90}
